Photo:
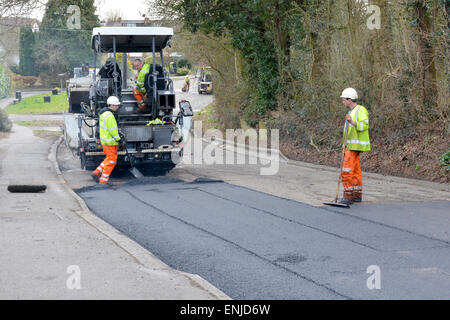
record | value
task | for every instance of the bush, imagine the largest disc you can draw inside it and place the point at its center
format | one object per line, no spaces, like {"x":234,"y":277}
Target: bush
{"x":184,"y":63}
{"x":5,"y":123}
{"x":445,"y":161}
{"x":49,"y":80}
{"x":182,"y":71}
{"x":14,"y":69}
{"x":5,"y":82}
{"x":24,"y":81}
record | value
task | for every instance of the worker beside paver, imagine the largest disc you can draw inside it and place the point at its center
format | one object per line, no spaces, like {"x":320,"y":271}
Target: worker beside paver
{"x":110,"y":140}
{"x":140,"y":92}
{"x":358,"y":141}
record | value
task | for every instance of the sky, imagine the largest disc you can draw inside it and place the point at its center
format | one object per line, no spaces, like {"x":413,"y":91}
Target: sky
{"x":129,"y":9}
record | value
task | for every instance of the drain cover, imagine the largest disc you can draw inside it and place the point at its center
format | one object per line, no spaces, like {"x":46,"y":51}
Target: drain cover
{"x":27,"y":188}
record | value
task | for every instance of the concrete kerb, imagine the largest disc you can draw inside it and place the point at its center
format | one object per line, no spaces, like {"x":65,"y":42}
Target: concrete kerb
{"x":141,"y":255}
{"x":241,"y":149}
{"x":385,"y":178}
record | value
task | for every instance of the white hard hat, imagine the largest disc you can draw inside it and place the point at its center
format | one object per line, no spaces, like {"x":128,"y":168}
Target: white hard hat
{"x":113,"y":101}
{"x":349,"y":93}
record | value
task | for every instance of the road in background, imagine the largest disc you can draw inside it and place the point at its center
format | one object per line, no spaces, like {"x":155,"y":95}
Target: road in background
{"x":198,"y":101}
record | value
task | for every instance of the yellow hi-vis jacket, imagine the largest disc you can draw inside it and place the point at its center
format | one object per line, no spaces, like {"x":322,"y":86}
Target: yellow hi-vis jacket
{"x":157,"y":121}
{"x":109,"y":133}
{"x":358,"y":136}
{"x":140,"y":82}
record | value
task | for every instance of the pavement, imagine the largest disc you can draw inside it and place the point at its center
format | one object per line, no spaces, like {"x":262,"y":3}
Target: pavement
{"x":53,"y":247}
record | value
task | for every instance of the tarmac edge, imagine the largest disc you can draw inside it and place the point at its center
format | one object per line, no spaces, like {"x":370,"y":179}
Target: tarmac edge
{"x":141,"y":255}
{"x":377,"y":176}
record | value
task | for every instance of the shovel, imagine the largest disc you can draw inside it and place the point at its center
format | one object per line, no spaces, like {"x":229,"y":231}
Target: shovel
{"x":335,"y":203}
{"x":134,"y":171}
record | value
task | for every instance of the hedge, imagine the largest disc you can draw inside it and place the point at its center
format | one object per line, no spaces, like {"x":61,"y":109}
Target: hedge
{"x":5,"y":123}
{"x":5,"y":82}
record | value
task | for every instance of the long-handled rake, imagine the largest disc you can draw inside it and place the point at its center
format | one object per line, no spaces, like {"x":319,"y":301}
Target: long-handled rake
{"x":335,"y":203}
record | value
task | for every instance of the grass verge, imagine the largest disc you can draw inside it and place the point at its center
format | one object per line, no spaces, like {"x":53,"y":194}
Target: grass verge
{"x":40,"y":123}
{"x":206,"y":115}
{"x":47,"y":134}
{"x":36,"y":105}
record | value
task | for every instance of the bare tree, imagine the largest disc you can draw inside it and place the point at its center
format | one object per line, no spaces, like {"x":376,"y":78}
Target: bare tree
{"x":113,"y":15}
{"x":19,"y":8}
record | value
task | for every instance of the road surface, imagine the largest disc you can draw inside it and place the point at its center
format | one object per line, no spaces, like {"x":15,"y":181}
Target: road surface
{"x":253,"y":245}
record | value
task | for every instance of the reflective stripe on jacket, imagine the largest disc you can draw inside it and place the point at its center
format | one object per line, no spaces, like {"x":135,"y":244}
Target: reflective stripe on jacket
{"x":109,"y":133}
{"x":358,"y":136}
{"x":140,"y":82}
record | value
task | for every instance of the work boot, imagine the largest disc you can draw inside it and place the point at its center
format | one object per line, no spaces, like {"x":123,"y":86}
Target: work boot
{"x":346,"y":201}
{"x":95,"y":177}
{"x":100,"y":186}
{"x":357,"y":197}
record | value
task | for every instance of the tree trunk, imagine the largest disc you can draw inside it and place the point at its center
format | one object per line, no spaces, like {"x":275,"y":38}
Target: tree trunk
{"x":426,"y":53}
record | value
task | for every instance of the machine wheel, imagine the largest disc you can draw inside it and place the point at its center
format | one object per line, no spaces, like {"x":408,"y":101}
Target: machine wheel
{"x":168,"y":168}
{"x":83,"y":160}
{"x":86,"y":163}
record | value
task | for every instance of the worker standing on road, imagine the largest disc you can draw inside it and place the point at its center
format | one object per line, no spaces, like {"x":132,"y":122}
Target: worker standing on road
{"x":358,"y":141}
{"x":140,"y":92}
{"x":187,"y":81}
{"x":110,"y":139}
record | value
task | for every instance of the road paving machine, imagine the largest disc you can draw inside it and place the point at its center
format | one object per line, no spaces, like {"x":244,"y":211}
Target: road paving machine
{"x":147,"y":146}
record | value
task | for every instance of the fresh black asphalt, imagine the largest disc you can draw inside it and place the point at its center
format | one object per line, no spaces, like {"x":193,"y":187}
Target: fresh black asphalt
{"x":253,"y":245}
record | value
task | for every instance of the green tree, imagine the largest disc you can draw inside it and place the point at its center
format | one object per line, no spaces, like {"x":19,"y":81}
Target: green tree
{"x":27,"y":44}
{"x":285,"y":63}
{"x":259,"y":29}
{"x":73,"y":44}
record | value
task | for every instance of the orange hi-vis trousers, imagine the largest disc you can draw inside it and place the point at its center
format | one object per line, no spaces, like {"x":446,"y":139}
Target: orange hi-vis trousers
{"x":352,"y":175}
{"x":139,"y":96}
{"x":107,"y":166}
